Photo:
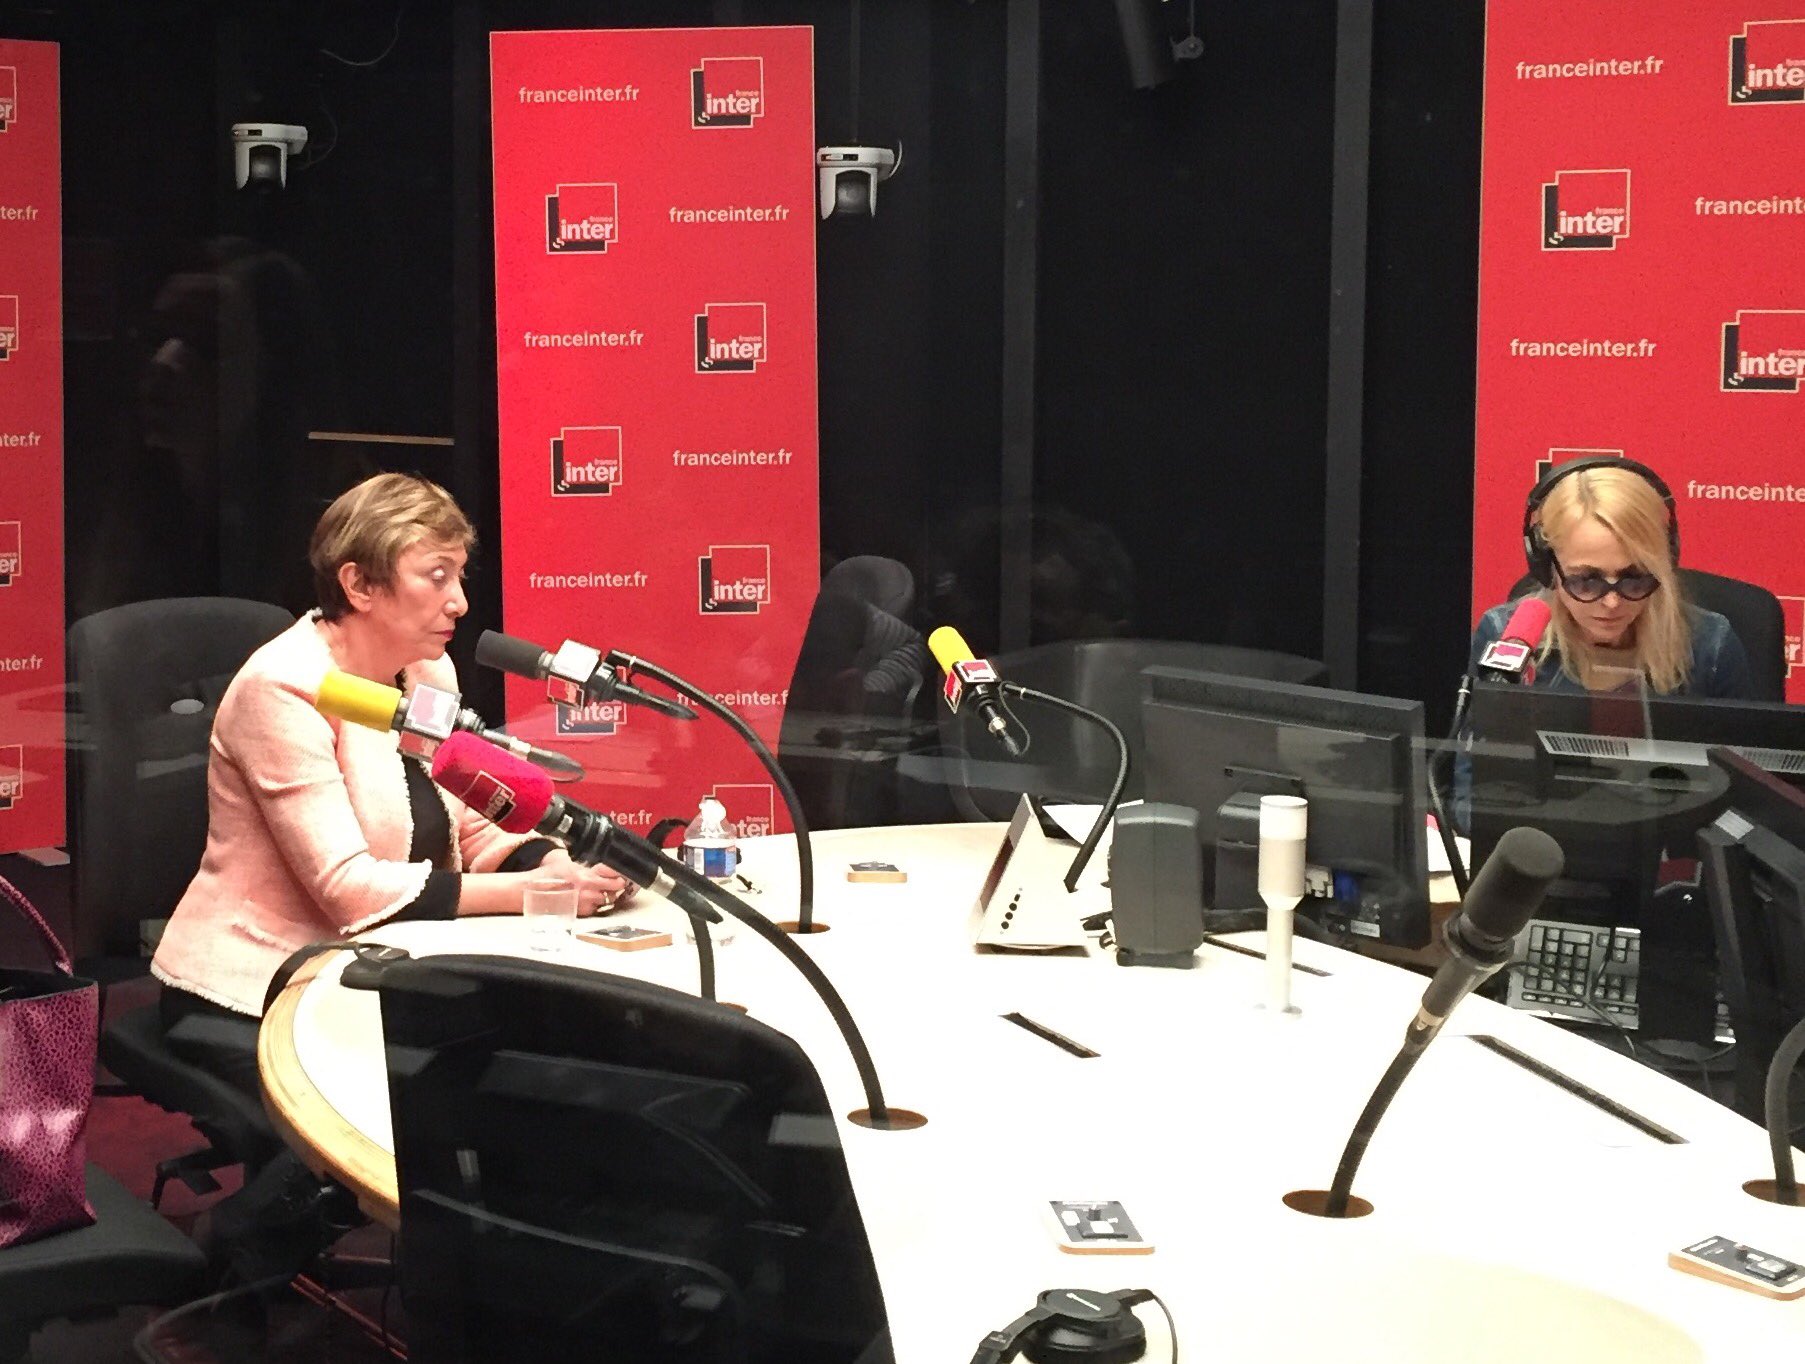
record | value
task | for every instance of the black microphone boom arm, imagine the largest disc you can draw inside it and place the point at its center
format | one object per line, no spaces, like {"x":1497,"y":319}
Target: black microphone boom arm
{"x":1505,"y":896}
{"x":593,"y":838}
{"x":1108,"y":811}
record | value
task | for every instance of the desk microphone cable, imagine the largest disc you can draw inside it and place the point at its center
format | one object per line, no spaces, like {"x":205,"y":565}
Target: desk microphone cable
{"x":1171,"y":1326}
{"x":1457,"y":865}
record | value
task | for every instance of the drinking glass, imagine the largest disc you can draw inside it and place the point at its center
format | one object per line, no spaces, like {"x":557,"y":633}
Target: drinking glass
{"x":549,"y":908}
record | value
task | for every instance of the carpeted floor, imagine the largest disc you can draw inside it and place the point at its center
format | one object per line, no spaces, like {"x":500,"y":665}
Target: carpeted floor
{"x":127,"y":1137}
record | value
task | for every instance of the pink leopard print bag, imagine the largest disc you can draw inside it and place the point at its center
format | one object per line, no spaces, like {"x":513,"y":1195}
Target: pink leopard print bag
{"x":48,"y":1026}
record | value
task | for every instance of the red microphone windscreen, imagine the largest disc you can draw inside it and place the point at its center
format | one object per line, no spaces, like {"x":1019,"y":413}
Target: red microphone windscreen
{"x":497,"y":785}
{"x":1528,"y":621}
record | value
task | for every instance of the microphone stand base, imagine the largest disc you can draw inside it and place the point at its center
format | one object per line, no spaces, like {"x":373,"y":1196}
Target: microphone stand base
{"x":1768,"y":1190}
{"x":794,"y":926}
{"x":1315,"y":1202}
{"x":894,"y":1120}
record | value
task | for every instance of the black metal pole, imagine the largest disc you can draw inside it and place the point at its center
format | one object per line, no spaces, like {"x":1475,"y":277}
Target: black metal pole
{"x":1021,"y":236}
{"x":1347,"y":341}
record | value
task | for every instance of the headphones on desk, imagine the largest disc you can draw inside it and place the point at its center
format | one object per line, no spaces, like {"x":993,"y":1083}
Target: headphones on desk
{"x":1072,"y":1326}
{"x":1536,"y":550}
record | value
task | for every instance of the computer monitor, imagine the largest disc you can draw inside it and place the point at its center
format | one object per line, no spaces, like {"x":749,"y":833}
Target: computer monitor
{"x":1218,"y":743}
{"x":1611,"y":736}
{"x":1617,"y":781}
{"x":1622,"y":783}
{"x":1752,"y":867}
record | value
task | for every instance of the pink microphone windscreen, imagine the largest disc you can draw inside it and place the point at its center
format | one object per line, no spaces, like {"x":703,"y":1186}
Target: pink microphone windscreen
{"x":497,"y":785}
{"x":1528,"y":621}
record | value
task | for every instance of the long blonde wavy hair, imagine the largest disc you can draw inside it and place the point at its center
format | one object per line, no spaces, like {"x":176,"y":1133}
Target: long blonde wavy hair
{"x":1627,"y":505}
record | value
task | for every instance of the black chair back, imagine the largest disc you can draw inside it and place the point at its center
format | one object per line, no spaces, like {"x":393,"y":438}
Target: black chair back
{"x":858,"y":675}
{"x":1756,"y":616}
{"x":149,"y":677}
{"x":601,"y":1169}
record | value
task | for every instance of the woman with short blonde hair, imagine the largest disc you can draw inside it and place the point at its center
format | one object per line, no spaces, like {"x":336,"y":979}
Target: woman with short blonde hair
{"x":371,"y":525}
{"x":318,"y":829}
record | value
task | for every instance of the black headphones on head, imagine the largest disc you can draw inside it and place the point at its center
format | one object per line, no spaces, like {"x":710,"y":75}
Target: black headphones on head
{"x":1536,"y":551}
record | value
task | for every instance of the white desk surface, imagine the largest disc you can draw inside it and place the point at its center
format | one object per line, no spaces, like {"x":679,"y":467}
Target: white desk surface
{"x":1513,"y":1221}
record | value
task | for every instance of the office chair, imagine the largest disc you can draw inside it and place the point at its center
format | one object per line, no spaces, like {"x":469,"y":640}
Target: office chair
{"x":858,"y":674}
{"x":599,"y":1169}
{"x":1754,"y":614}
{"x":149,"y":677}
{"x":130,"y":1256}
{"x":1070,"y":758}
{"x":884,"y":583}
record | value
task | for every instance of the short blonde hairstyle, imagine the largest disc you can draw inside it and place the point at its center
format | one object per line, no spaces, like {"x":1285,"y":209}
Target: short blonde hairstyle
{"x":1627,"y":505}
{"x":372,"y":525}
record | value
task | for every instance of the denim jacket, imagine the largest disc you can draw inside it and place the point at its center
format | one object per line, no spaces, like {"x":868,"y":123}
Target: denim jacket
{"x":1720,"y":666}
{"x":1720,"y":669}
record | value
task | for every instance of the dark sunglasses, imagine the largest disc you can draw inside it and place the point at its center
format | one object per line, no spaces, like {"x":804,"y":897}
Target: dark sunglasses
{"x":1594,"y":586}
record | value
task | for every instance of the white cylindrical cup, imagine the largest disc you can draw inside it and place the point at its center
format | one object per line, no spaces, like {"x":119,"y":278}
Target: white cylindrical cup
{"x":549,"y":909}
{"x":1283,"y":825}
{"x":1284,"y":820}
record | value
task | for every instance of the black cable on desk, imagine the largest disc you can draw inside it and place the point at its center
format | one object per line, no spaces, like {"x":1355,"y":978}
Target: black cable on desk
{"x":1664,"y":1061}
{"x":1592,"y":989}
{"x":1171,"y":1326}
{"x":1586,"y":1001}
{"x":1457,"y":866}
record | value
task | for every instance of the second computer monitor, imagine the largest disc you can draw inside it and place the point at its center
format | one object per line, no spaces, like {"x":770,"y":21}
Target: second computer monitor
{"x":1752,"y":865}
{"x":1217,"y":743}
{"x":1621,"y":782}
{"x":1616,"y":780}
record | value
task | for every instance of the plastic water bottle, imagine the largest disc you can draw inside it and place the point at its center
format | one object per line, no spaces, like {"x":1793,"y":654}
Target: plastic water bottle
{"x":709,"y":849}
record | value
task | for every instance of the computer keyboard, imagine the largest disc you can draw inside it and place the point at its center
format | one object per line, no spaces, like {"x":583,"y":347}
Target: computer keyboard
{"x":1556,"y":968}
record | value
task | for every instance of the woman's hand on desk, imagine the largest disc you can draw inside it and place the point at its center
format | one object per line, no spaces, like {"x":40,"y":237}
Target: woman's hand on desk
{"x":599,"y":889}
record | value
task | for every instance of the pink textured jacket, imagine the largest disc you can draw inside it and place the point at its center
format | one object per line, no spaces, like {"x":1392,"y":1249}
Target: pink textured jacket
{"x":308,"y":828}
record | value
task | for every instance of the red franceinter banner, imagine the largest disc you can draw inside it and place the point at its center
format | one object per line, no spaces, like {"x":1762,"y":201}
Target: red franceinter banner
{"x":31,"y":449}
{"x":1642,"y":274}
{"x":655,"y":318}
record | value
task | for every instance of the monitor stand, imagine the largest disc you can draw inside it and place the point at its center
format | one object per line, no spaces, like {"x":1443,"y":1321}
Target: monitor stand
{"x":1677,"y":985}
{"x":1236,"y":884}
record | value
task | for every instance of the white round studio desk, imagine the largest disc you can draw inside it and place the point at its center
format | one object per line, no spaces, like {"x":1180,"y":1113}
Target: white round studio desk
{"x":1513,"y":1220}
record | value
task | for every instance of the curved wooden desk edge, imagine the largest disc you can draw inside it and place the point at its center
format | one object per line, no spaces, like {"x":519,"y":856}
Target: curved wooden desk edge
{"x":335,"y":1149}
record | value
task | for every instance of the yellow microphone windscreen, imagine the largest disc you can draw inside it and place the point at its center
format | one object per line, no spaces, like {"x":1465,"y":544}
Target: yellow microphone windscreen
{"x":949,"y":647}
{"x":359,"y":700}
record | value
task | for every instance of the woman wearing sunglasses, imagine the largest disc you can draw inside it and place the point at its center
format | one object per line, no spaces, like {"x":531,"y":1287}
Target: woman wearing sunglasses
{"x":1601,"y":538}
